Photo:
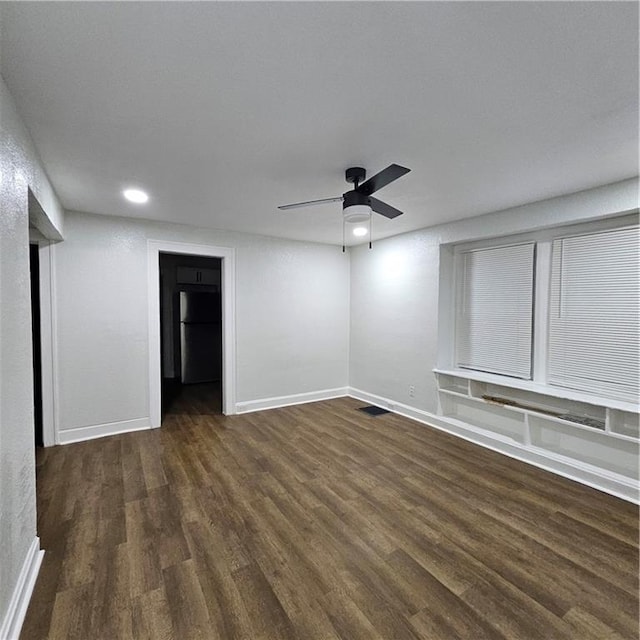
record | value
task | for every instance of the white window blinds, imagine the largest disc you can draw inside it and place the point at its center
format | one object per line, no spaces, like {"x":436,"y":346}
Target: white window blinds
{"x":593,"y":321}
{"x":495,"y":310}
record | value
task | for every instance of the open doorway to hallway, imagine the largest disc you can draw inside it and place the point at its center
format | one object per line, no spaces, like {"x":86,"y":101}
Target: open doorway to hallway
{"x":34,"y":268}
{"x":190,"y":333}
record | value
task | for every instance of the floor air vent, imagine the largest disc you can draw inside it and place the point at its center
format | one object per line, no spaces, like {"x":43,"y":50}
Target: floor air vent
{"x":372,"y":410}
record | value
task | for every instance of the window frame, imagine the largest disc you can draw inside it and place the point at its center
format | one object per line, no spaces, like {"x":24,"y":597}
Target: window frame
{"x":566,"y":236}
{"x":451,"y":263}
{"x":459,"y":262}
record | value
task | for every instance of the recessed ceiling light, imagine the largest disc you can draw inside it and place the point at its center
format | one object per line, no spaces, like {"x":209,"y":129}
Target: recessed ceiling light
{"x":360,"y":231}
{"x":135,"y":195}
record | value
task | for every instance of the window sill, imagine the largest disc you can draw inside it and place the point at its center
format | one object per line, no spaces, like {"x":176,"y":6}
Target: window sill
{"x":528,"y":385}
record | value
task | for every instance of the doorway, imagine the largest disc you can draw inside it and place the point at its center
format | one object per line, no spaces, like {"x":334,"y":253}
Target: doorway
{"x":226,"y":256}
{"x":190,"y":333}
{"x":36,"y":342}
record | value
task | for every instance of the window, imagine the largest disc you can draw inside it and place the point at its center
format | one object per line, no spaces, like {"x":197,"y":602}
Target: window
{"x":581,"y":285}
{"x":494,"y":327}
{"x":593,"y":313}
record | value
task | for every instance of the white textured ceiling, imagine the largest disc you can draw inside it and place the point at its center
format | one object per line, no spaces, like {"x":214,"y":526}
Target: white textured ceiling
{"x":223,"y":111}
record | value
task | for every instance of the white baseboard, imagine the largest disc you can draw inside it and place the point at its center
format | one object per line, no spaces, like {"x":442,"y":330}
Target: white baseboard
{"x":285,"y":401}
{"x":14,"y":616}
{"x":592,"y":476}
{"x":79,"y":434}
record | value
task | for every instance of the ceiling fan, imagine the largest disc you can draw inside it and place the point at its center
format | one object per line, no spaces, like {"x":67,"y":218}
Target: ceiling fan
{"x":358,"y":203}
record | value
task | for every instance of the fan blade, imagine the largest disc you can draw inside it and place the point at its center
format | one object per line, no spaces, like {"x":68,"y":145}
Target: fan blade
{"x":382,"y":179}
{"x":310,"y":203}
{"x":384,"y":209}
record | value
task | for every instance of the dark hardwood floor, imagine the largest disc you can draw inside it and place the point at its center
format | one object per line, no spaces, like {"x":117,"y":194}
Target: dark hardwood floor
{"x":318,"y":521}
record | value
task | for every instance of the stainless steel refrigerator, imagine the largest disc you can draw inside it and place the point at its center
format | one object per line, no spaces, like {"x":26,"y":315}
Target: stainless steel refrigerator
{"x":200,"y":337}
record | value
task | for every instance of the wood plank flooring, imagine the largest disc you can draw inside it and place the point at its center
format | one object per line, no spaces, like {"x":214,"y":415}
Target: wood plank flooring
{"x":320,"y":522}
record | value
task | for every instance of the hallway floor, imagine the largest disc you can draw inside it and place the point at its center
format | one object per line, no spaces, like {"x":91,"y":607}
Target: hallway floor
{"x":204,"y":398}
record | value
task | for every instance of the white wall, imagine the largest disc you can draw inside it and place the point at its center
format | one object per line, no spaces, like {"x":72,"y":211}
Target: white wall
{"x":394,"y":290}
{"x":20,"y":170}
{"x":292,"y":307}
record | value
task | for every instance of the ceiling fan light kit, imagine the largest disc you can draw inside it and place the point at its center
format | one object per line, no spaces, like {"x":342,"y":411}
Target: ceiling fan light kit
{"x":357,"y":204}
{"x":356,"y":218}
{"x":356,"y":213}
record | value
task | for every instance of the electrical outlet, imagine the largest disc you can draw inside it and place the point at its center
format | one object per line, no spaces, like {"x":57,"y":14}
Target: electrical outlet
{"x":412,"y":390}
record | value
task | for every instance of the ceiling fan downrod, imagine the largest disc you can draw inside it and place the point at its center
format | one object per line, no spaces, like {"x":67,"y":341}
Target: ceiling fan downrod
{"x":355,"y":175}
